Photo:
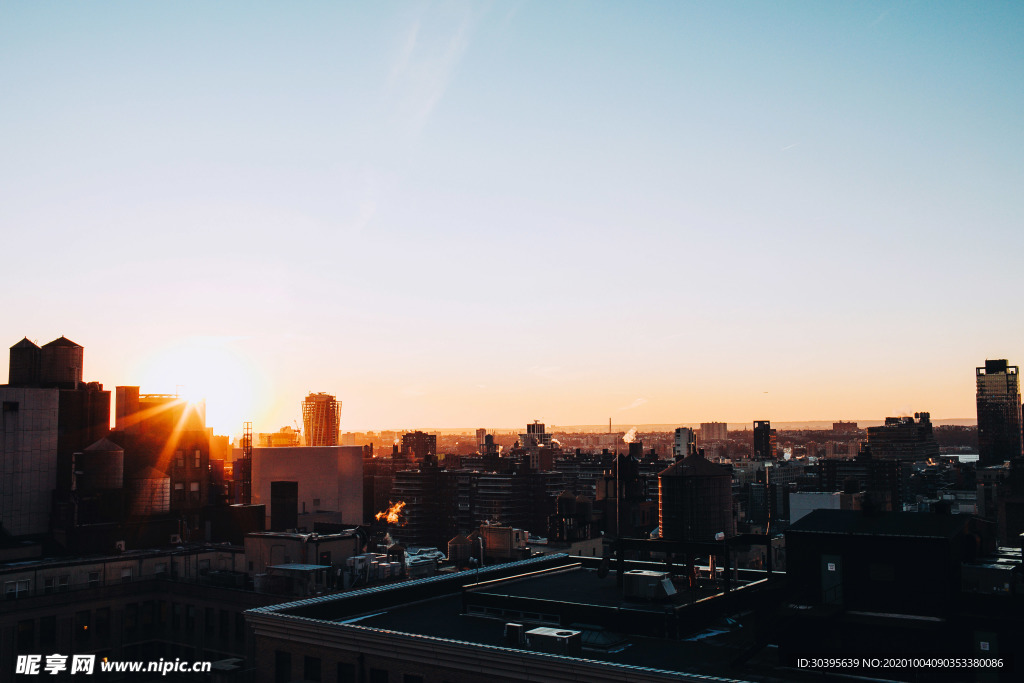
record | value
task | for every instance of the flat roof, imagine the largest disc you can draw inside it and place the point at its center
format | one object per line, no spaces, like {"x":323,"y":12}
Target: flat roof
{"x":548,"y":591}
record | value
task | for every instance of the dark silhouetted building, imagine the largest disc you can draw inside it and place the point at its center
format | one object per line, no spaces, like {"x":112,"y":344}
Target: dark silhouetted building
{"x":48,"y":414}
{"x":999,"y":412}
{"x":420,"y":447}
{"x":695,"y":500}
{"x":899,"y":583}
{"x":901,"y":438}
{"x":764,"y":440}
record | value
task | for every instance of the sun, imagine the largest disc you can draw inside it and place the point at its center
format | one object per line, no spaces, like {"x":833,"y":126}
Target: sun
{"x":206,"y":370}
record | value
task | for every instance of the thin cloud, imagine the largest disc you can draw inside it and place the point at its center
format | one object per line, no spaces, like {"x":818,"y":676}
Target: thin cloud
{"x":635,"y":404}
{"x":426,"y":62}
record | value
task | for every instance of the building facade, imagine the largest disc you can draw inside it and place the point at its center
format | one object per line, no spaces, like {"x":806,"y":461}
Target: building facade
{"x":321,"y":417}
{"x":999,"y":412}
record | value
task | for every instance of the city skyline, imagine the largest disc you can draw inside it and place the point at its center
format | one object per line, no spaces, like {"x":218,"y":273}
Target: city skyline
{"x":479,"y":214}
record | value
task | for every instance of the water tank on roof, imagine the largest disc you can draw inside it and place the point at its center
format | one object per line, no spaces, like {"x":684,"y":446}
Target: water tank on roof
{"x":149,"y":493}
{"x":24,"y":365}
{"x":100,"y":467}
{"x":61,"y":363}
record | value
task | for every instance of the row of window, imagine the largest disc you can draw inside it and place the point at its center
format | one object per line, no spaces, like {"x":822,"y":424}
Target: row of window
{"x":22,"y":588}
{"x":197,"y":459}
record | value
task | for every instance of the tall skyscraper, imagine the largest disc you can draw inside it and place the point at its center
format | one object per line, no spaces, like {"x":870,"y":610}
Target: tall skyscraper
{"x":764,"y":440}
{"x":321,"y":417}
{"x":999,"y":412}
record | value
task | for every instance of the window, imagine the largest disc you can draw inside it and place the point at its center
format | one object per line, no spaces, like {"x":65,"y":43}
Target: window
{"x":102,"y":622}
{"x":225,"y":620}
{"x":126,"y":575}
{"x":49,"y":584}
{"x":211,"y":621}
{"x":378,"y":676}
{"x":94,"y":579}
{"x":311,"y":669}
{"x":316,"y":503}
{"x":160,"y":569}
{"x":179,"y":491}
{"x":346,"y":672}
{"x":83,"y":620}
{"x":282,"y":666}
{"x":198,"y":459}
{"x":148,"y":615}
{"x":16,"y":589}
{"x":131,"y":619}
{"x":179,"y":458}
{"x":63,"y":582}
{"x":193,"y":491}
{"x":47,"y":632}
{"x":26,"y":636}
{"x":239,"y":626}
{"x":176,"y":616}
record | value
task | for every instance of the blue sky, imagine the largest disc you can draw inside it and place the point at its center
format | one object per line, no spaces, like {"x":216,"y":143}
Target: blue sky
{"x":472,"y":214}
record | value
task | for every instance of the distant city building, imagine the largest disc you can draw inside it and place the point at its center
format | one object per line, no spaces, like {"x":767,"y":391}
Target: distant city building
{"x":535,"y":436}
{"x":321,"y":418}
{"x":901,"y":438}
{"x":420,"y":447}
{"x":764,"y":440}
{"x":999,"y":412}
{"x":713,"y":431}
{"x":684,"y":443}
{"x":284,"y":437}
{"x":844,"y":427}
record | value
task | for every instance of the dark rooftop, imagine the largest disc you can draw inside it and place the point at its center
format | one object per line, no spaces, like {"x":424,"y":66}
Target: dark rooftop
{"x":63,"y":341}
{"x":474,"y":606}
{"x":695,"y":465}
{"x":856,"y":522}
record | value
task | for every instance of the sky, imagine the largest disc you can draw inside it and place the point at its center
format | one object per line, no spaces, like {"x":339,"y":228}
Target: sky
{"x":480,"y":214}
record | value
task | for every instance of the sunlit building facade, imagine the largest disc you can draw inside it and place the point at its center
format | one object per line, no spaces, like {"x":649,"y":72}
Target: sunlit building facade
{"x":321,"y":416}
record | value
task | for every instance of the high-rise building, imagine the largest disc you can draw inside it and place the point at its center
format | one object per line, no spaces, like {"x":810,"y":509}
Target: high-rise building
{"x":901,"y":438}
{"x":764,"y":440}
{"x":535,"y":436}
{"x":420,"y":447}
{"x":999,"y":412}
{"x":713,"y":431}
{"x":321,"y":416}
{"x":685,"y":443}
